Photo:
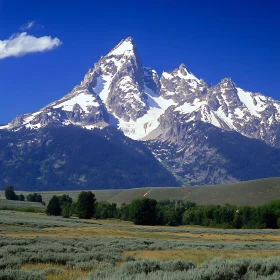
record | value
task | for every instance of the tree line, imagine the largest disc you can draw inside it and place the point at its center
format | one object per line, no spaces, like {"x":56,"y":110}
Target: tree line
{"x":64,"y":206}
{"x":146,"y":211}
{"x":11,"y":195}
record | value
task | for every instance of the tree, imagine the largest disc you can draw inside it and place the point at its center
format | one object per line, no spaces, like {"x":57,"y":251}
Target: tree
{"x":73,"y":208}
{"x":105,"y":210}
{"x":34,"y":197}
{"x":38,"y":197}
{"x":143,"y":211}
{"x":85,"y":205}
{"x":53,"y":208}
{"x":21,"y":197}
{"x":65,"y":202}
{"x":10,"y":193}
{"x":237,"y":220}
{"x":66,"y":210}
{"x":124,"y":212}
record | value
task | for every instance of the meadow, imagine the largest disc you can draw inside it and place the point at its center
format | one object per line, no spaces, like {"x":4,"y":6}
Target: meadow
{"x":255,"y":192}
{"x":37,"y":246}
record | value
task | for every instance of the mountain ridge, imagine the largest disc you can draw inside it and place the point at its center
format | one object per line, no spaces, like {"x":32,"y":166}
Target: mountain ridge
{"x":119,"y":88}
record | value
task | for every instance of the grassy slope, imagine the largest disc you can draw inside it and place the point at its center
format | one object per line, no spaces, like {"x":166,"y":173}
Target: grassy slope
{"x":255,"y":192}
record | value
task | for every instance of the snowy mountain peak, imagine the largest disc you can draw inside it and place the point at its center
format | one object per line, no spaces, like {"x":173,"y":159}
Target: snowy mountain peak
{"x":227,"y":83}
{"x":186,"y":123}
{"x":183,"y":69}
{"x":125,"y":47}
{"x":184,"y":73}
{"x":120,"y":91}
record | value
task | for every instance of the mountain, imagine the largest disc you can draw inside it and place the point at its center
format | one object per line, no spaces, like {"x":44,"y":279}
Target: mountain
{"x":117,"y":91}
{"x":203,"y":134}
{"x":199,"y":153}
{"x":67,"y":158}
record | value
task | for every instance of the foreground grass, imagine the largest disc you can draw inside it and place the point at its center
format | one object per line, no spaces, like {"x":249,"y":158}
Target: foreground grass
{"x":199,"y":256}
{"x":57,"y":272}
{"x":30,"y":225}
{"x":60,"y":249}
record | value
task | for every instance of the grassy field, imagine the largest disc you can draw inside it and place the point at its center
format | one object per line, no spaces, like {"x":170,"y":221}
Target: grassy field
{"x":36,"y":246}
{"x":257,"y":192}
{"x":199,"y":256}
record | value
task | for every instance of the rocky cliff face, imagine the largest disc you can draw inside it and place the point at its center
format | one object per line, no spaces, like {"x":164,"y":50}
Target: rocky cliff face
{"x":228,"y":107}
{"x":121,"y":92}
{"x":181,"y":85}
{"x":199,"y":153}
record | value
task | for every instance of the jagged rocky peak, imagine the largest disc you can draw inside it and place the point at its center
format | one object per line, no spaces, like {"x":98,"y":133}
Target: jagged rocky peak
{"x":112,"y":63}
{"x":184,"y":71}
{"x":118,"y":79}
{"x":126,"y":46}
{"x":227,"y":83}
{"x":224,"y":94}
{"x":180,"y":84}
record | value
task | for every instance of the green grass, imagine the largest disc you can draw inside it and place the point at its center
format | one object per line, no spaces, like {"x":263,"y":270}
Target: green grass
{"x":102,"y":195}
{"x":257,"y":192}
{"x":21,"y":204}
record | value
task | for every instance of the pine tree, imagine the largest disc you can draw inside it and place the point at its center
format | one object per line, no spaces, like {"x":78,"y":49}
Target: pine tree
{"x":85,"y":205}
{"x":53,"y":208}
{"x":21,"y":197}
{"x":10,"y":193}
{"x":143,"y":211}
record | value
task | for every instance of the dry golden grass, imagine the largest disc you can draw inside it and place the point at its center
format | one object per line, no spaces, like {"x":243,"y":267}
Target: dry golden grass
{"x":67,"y":273}
{"x":199,"y":256}
{"x":119,"y":229}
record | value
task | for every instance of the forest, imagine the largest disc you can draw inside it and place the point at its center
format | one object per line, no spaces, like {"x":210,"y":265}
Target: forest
{"x":146,"y":211}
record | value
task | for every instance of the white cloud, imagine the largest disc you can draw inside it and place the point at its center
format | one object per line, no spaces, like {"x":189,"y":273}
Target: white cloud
{"x":28,"y":25}
{"x":21,"y":44}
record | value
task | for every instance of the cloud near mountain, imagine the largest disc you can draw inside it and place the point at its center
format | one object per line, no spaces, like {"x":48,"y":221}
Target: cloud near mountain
{"x":23,"y":43}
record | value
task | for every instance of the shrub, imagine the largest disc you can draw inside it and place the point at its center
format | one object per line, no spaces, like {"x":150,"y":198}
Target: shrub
{"x":34,"y":197}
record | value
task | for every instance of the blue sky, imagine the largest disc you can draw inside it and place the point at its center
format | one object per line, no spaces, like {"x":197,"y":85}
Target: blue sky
{"x":214,"y":39}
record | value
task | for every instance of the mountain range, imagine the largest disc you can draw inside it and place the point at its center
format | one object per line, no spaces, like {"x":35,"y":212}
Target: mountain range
{"x":168,"y":130}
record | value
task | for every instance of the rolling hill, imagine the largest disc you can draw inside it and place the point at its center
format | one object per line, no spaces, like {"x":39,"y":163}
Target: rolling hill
{"x":256,"y":192}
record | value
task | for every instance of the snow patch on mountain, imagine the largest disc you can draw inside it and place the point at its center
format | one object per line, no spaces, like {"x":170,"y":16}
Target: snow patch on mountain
{"x":150,"y":121}
{"x":167,"y":76}
{"x":124,"y":47}
{"x":187,"y":108}
{"x":247,"y":99}
{"x":6,"y":126}
{"x":83,"y":99}
{"x":187,"y":76}
{"x":102,"y":86}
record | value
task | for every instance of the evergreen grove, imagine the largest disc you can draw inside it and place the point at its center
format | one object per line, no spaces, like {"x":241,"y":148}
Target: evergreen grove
{"x":11,"y":195}
{"x":146,"y":211}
